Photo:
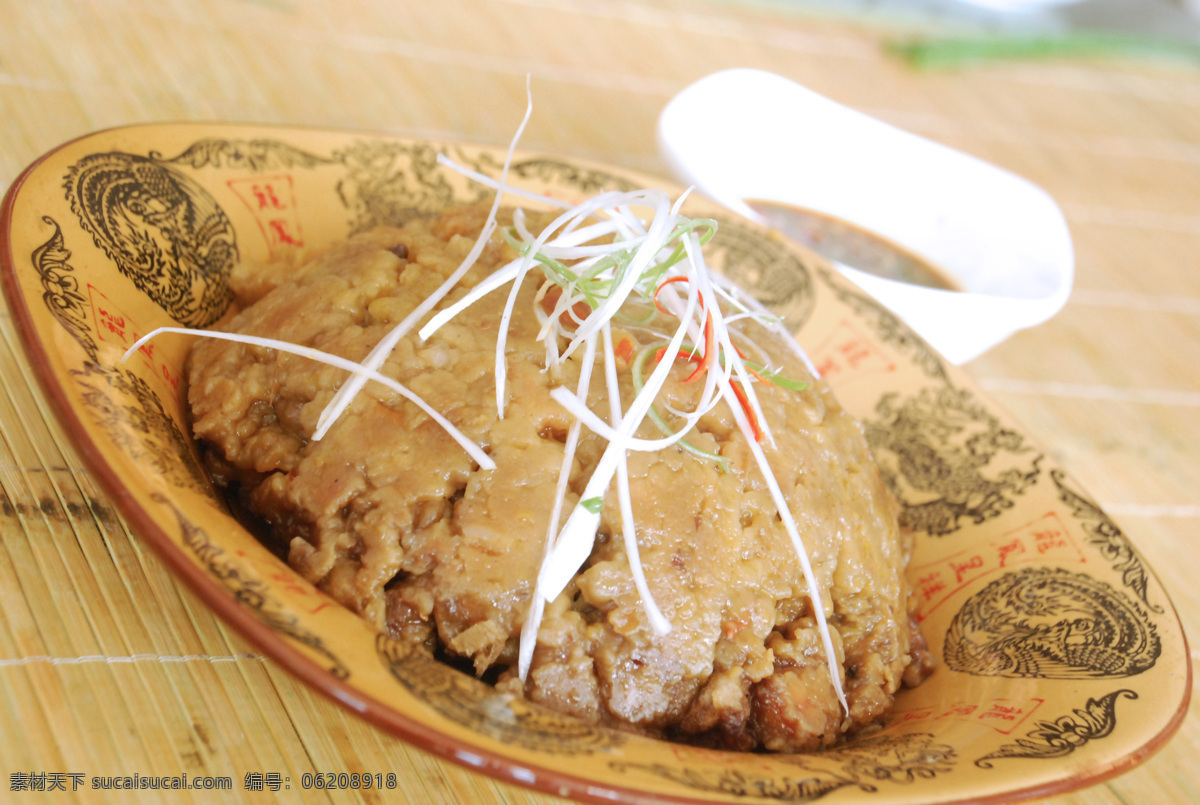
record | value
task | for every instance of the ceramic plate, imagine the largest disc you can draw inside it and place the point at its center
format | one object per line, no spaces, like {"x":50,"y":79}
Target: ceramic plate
{"x":1062,"y":660}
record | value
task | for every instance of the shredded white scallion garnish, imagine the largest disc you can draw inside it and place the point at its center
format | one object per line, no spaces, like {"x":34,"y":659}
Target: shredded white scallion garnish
{"x":658,"y":622}
{"x":605,"y":276}
{"x":597,"y":256}
{"x":575,"y":541}
{"x":357,"y":369}
{"x":537,"y":604}
{"x":383,"y":349}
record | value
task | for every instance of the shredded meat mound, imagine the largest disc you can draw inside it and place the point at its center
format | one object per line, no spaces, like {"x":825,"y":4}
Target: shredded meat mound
{"x":393,"y":519}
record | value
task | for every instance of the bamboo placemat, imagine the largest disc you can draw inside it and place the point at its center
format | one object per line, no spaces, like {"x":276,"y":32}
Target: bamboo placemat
{"x":108,"y":667}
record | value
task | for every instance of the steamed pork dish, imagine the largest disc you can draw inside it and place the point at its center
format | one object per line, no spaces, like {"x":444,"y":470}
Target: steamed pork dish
{"x":660,"y":584}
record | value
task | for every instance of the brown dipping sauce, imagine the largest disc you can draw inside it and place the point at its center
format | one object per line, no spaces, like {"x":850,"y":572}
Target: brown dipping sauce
{"x":852,"y":245}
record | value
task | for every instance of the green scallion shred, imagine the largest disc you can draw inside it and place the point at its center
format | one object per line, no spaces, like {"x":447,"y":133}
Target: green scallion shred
{"x":593,"y":505}
{"x":638,"y":367}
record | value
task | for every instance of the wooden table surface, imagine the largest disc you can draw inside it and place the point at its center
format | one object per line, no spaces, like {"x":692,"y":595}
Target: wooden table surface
{"x":108,"y":666}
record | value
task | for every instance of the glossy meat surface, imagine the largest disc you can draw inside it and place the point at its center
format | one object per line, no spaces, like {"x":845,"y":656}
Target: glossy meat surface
{"x":389,"y":516}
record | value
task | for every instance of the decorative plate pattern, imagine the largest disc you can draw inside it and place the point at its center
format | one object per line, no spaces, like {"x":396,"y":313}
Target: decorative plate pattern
{"x":1057,"y":642}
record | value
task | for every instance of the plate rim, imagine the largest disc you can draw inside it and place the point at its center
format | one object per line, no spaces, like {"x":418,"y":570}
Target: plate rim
{"x":507,"y":769}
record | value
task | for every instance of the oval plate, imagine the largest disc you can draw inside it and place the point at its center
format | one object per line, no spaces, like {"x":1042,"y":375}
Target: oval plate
{"x":1062,"y":659}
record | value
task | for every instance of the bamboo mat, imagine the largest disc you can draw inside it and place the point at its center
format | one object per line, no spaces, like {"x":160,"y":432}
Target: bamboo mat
{"x":108,"y":666}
